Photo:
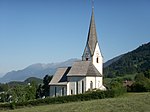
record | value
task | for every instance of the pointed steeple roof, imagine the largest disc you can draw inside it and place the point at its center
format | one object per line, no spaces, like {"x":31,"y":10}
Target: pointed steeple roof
{"x":92,"y":35}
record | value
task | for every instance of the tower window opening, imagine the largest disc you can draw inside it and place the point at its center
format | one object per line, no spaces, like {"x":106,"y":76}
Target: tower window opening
{"x":97,"y":60}
{"x":87,"y":59}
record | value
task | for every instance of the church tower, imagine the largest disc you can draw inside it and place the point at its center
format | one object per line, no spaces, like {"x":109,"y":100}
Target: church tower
{"x":92,"y":51}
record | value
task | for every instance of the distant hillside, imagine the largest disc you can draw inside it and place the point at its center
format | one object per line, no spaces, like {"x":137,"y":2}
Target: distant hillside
{"x":15,"y":83}
{"x":37,"y":81}
{"x":33,"y":79}
{"x":36,"y":70}
{"x":132,"y":62}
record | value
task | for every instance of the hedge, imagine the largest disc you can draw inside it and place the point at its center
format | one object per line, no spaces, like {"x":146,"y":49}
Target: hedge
{"x":64,"y":99}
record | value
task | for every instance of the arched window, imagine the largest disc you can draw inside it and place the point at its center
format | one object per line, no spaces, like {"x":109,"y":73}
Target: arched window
{"x":71,"y":91}
{"x":91,"y":85}
{"x":97,"y":61}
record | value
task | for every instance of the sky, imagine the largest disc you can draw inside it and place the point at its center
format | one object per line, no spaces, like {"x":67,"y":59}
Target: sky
{"x":45,"y":31}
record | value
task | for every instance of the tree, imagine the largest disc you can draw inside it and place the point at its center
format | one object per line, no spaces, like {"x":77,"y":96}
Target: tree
{"x":4,"y":87}
{"x":16,"y":94}
{"x":117,"y":87}
{"x":39,"y":92}
{"x":22,"y":93}
{"x":46,"y":81}
{"x":141,"y":84}
{"x":147,"y":73}
{"x":3,"y":97}
{"x":30,"y":91}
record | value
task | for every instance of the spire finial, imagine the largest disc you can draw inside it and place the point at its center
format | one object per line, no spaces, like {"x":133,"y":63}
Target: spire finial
{"x":92,"y":4}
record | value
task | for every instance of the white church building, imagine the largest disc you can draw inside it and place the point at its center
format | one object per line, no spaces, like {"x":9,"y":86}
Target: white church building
{"x":84,"y":75}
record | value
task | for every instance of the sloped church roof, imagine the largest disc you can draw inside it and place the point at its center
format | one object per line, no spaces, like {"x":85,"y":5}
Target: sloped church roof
{"x":60,"y":76}
{"x":79,"y":68}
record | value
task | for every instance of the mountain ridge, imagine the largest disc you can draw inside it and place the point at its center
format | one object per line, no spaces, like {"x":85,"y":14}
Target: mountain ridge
{"x":133,"y":62}
{"x":38,"y":70}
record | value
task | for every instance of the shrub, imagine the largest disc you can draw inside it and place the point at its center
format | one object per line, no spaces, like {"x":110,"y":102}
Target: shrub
{"x":12,"y":105}
{"x":98,"y":94}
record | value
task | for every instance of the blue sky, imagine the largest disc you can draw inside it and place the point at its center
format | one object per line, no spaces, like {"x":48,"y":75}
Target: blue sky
{"x":45,"y":31}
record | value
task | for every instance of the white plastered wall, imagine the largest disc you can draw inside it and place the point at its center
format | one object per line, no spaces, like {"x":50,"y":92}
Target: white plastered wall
{"x":58,"y":91}
{"x":97,"y":82}
{"x":72,"y":85}
{"x":97,"y":54}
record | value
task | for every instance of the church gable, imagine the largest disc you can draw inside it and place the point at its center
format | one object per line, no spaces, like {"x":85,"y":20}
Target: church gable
{"x":86,"y":54}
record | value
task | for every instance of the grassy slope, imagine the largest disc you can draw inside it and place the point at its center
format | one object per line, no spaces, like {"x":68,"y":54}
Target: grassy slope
{"x":131,"y":102}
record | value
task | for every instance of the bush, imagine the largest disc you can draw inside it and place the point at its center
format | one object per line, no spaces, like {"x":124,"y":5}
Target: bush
{"x":12,"y":105}
{"x":98,"y":94}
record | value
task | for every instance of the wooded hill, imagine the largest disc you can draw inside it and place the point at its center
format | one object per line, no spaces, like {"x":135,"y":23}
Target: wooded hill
{"x":133,"y":62}
{"x":5,"y":87}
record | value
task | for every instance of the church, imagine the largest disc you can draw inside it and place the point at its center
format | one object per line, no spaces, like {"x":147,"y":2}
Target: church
{"x":83,"y":75}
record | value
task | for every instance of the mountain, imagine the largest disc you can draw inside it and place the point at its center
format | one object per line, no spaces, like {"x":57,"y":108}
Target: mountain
{"x":132,"y":62}
{"x":36,"y":70}
{"x":109,"y":62}
{"x":1,"y":75}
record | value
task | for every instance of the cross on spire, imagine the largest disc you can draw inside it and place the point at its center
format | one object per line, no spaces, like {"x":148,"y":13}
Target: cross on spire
{"x":92,"y":4}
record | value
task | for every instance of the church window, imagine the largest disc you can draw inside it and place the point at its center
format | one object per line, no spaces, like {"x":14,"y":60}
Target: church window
{"x":71,"y":91}
{"x":82,"y":86}
{"x":55,"y":91}
{"x":97,"y":60}
{"x":63,"y":91}
{"x":91,"y":85}
{"x":76,"y":87}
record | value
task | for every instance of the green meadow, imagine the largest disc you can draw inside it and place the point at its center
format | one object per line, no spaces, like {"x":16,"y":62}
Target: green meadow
{"x":130,"y":102}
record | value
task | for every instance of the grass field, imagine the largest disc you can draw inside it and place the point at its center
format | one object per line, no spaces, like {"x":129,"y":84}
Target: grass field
{"x":131,"y":102}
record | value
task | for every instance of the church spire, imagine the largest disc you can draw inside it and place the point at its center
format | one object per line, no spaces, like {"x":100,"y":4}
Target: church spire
{"x":92,"y":35}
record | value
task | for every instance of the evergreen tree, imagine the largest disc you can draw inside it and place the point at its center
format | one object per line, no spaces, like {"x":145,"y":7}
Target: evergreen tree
{"x":46,"y":81}
{"x":39,"y":92}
